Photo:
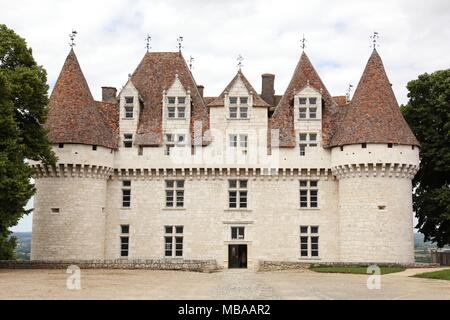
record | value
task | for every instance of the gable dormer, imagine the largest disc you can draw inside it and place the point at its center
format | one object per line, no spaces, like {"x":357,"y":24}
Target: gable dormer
{"x":129,"y":102}
{"x":308,"y":104}
{"x":176,"y":102}
{"x":238,"y":101}
{"x":129,"y":111}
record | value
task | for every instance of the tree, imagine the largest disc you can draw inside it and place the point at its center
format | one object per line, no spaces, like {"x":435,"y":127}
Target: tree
{"x":23,"y":110}
{"x":428,"y":114}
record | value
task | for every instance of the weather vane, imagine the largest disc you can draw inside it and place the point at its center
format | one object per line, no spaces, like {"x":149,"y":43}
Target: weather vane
{"x":72,"y":38}
{"x":149,"y":38}
{"x":191,"y":62}
{"x":349,"y":91}
{"x":303,"y":42}
{"x":375,"y":38}
{"x":240,"y":59}
{"x":179,"y":40}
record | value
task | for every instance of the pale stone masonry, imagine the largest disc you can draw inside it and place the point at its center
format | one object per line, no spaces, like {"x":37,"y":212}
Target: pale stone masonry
{"x":173,"y":176}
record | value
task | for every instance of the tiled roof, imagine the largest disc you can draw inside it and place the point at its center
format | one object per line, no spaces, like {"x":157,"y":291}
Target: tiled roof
{"x":156,"y":73}
{"x":283,"y":116}
{"x":257,"y":100}
{"x":74,"y":116}
{"x":373,"y":116}
{"x":340,"y":100}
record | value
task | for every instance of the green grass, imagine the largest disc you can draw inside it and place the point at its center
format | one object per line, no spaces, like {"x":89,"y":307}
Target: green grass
{"x":443,"y":275}
{"x":353,"y":269}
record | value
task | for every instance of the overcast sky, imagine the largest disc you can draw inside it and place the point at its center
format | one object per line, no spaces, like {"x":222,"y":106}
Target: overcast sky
{"x":414,"y":38}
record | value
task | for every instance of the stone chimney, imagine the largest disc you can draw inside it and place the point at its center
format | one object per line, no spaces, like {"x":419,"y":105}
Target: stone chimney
{"x":200,"y":90}
{"x":109,"y":94}
{"x":267,"y":91}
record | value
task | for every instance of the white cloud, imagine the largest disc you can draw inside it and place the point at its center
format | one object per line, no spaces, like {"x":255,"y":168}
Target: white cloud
{"x":111,"y":39}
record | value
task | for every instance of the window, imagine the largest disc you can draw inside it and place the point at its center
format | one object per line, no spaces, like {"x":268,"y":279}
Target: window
{"x":233,"y":112}
{"x":129,"y":112}
{"x":237,"y":233}
{"x":124,"y":229}
{"x":174,"y":193}
{"x":126,"y":193}
{"x":94,"y":147}
{"x":364,"y":145}
{"x":171,"y":100}
{"x":237,"y":194}
{"x":309,"y":194}
{"x":390,"y":145}
{"x":243,"y":112}
{"x":173,"y":140}
{"x":241,"y":140}
{"x":307,"y":140}
{"x":54,"y":210}
{"x":176,"y":108}
{"x":171,"y":112}
{"x":128,"y":140}
{"x":173,"y":235}
{"x":309,"y":241}
{"x":129,"y":100}
{"x":238,"y":108}
{"x":61,"y":145}
{"x":124,"y":240}
{"x":308,"y":108}
{"x":181,"y":100}
{"x":342,"y":148}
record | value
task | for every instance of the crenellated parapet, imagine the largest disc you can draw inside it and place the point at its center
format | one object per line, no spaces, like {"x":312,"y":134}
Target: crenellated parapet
{"x":391,"y":170}
{"x":72,"y":170}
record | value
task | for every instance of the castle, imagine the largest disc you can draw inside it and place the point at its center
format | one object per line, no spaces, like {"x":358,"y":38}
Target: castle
{"x":158,"y":171}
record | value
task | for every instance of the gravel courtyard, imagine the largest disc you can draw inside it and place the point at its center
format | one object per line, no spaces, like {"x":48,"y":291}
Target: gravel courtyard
{"x":229,"y":284}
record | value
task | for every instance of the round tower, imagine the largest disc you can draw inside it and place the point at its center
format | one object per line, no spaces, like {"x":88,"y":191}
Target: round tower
{"x":374,"y":157}
{"x":70,"y":200}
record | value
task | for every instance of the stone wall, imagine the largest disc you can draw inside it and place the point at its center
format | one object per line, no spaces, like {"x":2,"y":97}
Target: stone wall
{"x":162,"y":264}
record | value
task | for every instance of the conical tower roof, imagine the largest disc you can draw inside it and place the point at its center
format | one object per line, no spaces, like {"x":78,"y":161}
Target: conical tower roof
{"x":373,"y":115}
{"x":74,"y":116}
{"x":257,"y":100}
{"x":283,"y":117}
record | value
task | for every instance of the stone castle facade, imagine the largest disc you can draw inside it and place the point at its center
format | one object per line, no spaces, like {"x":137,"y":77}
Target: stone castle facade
{"x":158,"y":171}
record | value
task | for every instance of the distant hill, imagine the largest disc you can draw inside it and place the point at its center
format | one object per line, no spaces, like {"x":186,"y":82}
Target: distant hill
{"x":23,"y":248}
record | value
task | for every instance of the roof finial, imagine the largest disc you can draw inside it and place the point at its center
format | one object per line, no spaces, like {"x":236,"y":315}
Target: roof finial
{"x":179,"y":46}
{"x":240,"y":59}
{"x":148,"y":39}
{"x":72,"y":36}
{"x":375,"y":38}
{"x":191,"y":62}
{"x":349,"y":91}
{"x":303,"y":42}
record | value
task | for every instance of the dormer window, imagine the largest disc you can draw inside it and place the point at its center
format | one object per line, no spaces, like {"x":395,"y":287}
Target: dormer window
{"x":129,"y":111}
{"x":176,"y":108}
{"x":308,"y":108}
{"x":171,"y":100}
{"x":238,"y":108}
{"x":129,"y":100}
